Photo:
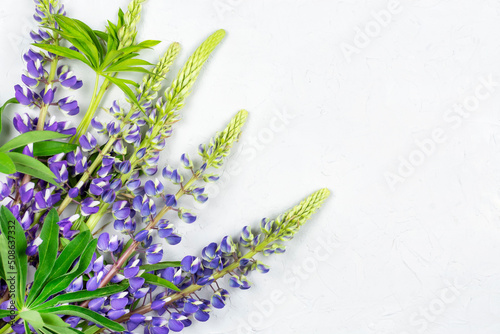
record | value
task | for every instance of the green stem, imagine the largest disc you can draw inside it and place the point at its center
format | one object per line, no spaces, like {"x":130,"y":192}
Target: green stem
{"x":7,"y":327}
{"x":97,"y":96}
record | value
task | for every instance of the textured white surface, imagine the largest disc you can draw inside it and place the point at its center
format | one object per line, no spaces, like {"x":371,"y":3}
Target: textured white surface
{"x":419,"y":257}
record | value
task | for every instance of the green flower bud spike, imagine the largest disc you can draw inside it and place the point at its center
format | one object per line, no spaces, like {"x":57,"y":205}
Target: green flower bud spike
{"x":151,"y":83}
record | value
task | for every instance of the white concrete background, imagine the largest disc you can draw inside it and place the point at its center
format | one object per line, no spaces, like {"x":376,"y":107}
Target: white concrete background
{"x":419,"y":257}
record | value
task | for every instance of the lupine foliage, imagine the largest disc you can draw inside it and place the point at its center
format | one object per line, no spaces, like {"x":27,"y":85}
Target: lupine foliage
{"x":82,"y":219}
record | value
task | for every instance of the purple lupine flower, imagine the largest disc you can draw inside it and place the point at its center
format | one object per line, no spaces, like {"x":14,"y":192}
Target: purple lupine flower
{"x":135,"y":283}
{"x":76,"y":285}
{"x":74,"y":192}
{"x":114,"y":129}
{"x":142,"y":235}
{"x":219,"y":297}
{"x":26,"y":192}
{"x":45,"y":199}
{"x":66,"y":224}
{"x":175,"y":322}
{"x":97,"y":125}
{"x":4,"y":190}
{"x":67,"y":79}
{"x":159,"y":325}
{"x":191,"y":264}
{"x":65,"y":128}
{"x":123,"y":167}
{"x":107,"y":244}
{"x":172,"y":175}
{"x":94,"y":281}
{"x":96,"y":304}
{"x":227,"y":245}
{"x":133,"y":184}
{"x":186,"y":161}
{"x":145,"y":206}
{"x":186,"y":217}
{"x":119,"y":300}
{"x":153,"y":188}
{"x":60,"y":170}
{"x":48,"y":94}
{"x":23,"y":123}
{"x":89,"y":206}
{"x":29,"y":81}
{"x":203,"y":313}
{"x":132,"y":267}
{"x":262,"y":268}
{"x":69,"y":106}
{"x":98,"y":185}
{"x":170,"y":200}
{"x":88,"y":142}
{"x":154,"y":254}
{"x":35,"y":68}
{"x":136,"y":320}
{"x":121,"y":210}
{"x":23,"y":95}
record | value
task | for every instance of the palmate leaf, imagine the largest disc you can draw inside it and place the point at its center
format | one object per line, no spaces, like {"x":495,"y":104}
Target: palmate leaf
{"x":13,"y":232}
{"x":86,"y":314}
{"x":30,"y":137}
{"x":47,"y":251}
{"x":58,"y":284}
{"x":53,"y":320}
{"x":64,"y":52}
{"x":69,"y":254}
{"x":82,"y":37}
{"x":33,"y":317}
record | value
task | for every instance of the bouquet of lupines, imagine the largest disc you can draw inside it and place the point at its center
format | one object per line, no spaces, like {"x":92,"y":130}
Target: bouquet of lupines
{"x":59,"y":272}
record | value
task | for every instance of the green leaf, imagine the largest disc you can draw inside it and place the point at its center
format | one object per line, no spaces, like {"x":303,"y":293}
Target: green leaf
{"x":91,"y":33}
{"x":30,"y":137}
{"x":69,"y":254}
{"x":4,"y":257}
{"x":47,"y":251}
{"x":58,"y":284}
{"x":160,"y":265}
{"x":6,"y":164}
{"x":101,"y":34}
{"x":53,"y":320}
{"x":84,"y":295}
{"x":61,"y":329}
{"x":120,"y":83}
{"x":86,"y":314}
{"x":74,"y":31}
{"x":6,"y":313}
{"x":155,"y":280}
{"x":2,"y":108}
{"x":14,"y":233}
{"x":33,"y":317}
{"x":64,"y":52}
{"x":28,"y":165}
{"x":92,"y":330}
{"x":49,"y":148}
